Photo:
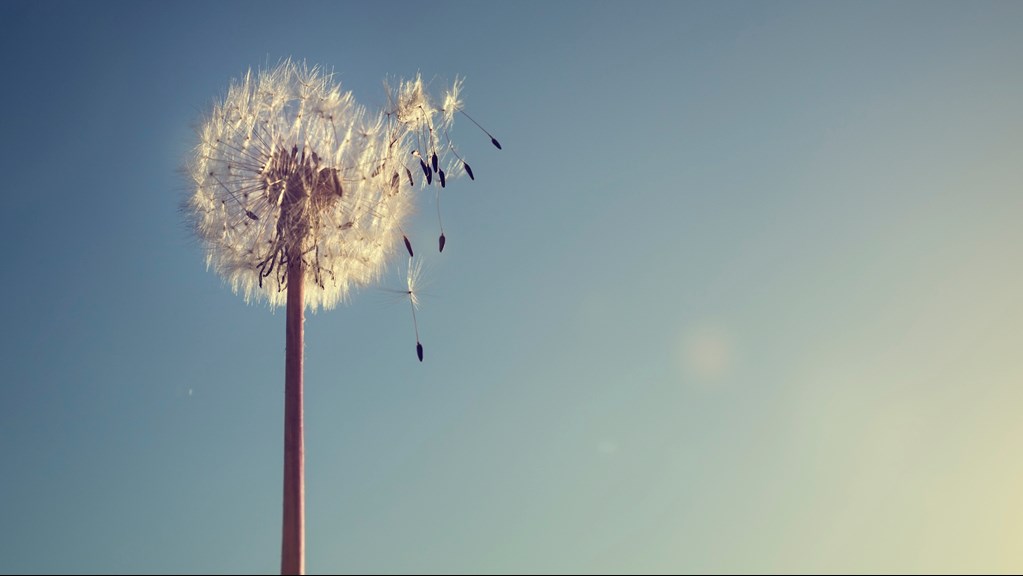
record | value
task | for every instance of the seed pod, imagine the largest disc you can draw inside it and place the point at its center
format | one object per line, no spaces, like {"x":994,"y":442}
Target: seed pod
{"x":408,"y":245}
{"x":333,"y":183}
{"x":427,"y":171}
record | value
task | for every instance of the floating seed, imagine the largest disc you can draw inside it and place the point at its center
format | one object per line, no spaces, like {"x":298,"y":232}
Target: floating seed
{"x":408,"y":245}
{"x":441,"y":241}
{"x":434,"y":161}
{"x":468,"y":170}
{"x":495,"y":142}
{"x":441,"y":174}
{"x":419,"y":351}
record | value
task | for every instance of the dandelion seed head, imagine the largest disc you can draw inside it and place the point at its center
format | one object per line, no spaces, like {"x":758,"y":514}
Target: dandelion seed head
{"x":290,"y":168}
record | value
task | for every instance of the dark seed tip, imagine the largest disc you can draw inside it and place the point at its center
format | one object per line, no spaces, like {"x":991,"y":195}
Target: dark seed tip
{"x":419,"y":351}
{"x":434,"y":160}
{"x":441,"y":173}
{"x":495,"y":142}
{"x":442,"y":241}
{"x":468,"y":171}
{"x":408,"y":245}
{"x":427,"y":172}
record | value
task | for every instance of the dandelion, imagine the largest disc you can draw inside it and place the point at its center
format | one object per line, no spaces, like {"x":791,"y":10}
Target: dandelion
{"x":300,"y":196}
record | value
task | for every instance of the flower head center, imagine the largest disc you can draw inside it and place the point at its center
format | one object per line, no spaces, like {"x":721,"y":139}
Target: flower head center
{"x":300,"y":186}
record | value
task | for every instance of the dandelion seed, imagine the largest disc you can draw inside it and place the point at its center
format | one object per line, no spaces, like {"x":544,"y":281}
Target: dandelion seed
{"x":492,"y":139}
{"x":427,"y":172}
{"x":468,"y":170}
{"x":441,"y":174}
{"x":408,"y":246}
{"x":331,"y":181}
{"x":440,"y":223}
{"x":434,"y":161}
{"x":415,"y":270}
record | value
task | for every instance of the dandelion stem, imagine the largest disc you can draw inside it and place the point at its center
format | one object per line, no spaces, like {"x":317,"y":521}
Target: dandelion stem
{"x":293,"y":530}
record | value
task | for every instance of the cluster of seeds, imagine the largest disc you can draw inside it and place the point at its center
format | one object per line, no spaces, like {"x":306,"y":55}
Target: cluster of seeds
{"x":290,"y":171}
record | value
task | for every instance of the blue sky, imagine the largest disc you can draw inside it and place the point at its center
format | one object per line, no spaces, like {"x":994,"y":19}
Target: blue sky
{"x":741,"y":292}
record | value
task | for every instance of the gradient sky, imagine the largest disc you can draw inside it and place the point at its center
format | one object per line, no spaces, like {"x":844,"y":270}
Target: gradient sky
{"x":741,"y":292}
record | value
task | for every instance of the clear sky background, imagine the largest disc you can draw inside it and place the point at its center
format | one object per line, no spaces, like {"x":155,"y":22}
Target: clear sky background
{"x":741,"y":292}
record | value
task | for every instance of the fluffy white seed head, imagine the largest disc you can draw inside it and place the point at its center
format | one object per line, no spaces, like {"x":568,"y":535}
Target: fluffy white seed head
{"x":289,"y":168}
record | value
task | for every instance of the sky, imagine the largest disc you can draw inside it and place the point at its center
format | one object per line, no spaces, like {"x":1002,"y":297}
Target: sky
{"x":741,"y":292}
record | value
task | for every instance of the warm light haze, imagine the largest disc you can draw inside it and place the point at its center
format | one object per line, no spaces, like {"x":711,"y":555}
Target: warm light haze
{"x":742,"y":292}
